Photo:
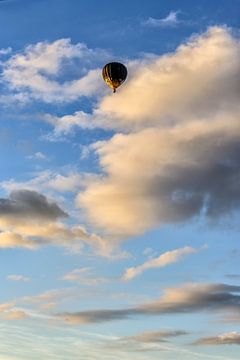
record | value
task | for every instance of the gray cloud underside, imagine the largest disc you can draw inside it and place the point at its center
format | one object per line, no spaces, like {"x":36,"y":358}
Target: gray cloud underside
{"x":189,"y":298}
{"x":30,"y":204}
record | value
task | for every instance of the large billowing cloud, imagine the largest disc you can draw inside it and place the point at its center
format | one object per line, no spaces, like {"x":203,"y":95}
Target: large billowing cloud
{"x":178,"y":155}
{"x":219,"y":298}
{"x":159,"y":176}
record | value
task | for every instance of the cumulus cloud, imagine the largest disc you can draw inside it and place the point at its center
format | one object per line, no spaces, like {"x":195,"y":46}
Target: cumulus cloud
{"x":171,"y":20}
{"x":178,"y":154}
{"x":42,"y":71}
{"x":191,"y":298}
{"x":232,"y":338}
{"x":169,"y":257}
{"x":199,"y":80}
{"x":161,"y":176}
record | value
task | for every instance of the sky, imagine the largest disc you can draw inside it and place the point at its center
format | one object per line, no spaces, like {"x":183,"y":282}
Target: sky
{"x":119,"y":213}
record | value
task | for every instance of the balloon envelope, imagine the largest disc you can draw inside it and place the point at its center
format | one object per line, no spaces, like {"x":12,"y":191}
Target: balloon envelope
{"x":114,"y":74}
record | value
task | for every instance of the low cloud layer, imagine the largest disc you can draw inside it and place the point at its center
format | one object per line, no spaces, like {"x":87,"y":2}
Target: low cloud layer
{"x":218,"y":298}
{"x":163,"y":260}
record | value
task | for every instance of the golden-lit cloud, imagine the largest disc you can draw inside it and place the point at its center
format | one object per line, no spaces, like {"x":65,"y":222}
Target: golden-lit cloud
{"x":169,"y":257}
{"x":16,"y":315}
{"x":29,"y":219}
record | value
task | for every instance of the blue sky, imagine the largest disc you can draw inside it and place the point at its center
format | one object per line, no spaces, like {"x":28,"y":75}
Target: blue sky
{"x":119,"y":231}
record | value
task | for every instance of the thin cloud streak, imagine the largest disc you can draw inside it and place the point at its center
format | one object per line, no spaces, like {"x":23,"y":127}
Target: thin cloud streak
{"x":169,"y":257}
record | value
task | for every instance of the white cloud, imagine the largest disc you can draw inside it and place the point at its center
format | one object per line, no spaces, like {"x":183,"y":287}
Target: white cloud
{"x":5,"y":51}
{"x":41,"y":71}
{"x":38,"y":156}
{"x":64,"y":181}
{"x":171,"y":20}
{"x":18,"y":278}
{"x":169,"y":257}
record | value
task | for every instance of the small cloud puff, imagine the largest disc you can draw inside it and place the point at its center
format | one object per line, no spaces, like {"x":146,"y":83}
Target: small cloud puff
{"x":171,"y":20}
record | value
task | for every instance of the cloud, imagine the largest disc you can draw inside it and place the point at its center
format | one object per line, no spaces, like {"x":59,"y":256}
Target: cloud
{"x":84,"y":276}
{"x":155,"y":336}
{"x":171,"y":20}
{"x":44,"y":71}
{"x":18,"y":278}
{"x":232,"y":338}
{"x":29,"y":219}
{"x":6,"y":306}
{"x":9,"y":312}
{"x":28,"y":204}
{"x":66,"y":181}
{"x":38,"y":156}
{"x":5,"y":51}
{"x":191,"y":298}
{"x":198,"y":81}
{"x":16,"y":315}
{"x":169,"y":257}
{"x":9,"y":239}
{"x":177,"y":154}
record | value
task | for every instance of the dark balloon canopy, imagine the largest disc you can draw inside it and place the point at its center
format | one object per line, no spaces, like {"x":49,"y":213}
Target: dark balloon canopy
{"x":114,"y":74}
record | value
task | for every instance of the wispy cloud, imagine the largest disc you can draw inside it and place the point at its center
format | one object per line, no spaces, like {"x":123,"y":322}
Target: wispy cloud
{"x":171,"y":20}
{"x":18,"y":278}
{"x":232,"y":338}
{"x":84,"y":276}
{"x":169,"y":257}
{"x":155,"y":336}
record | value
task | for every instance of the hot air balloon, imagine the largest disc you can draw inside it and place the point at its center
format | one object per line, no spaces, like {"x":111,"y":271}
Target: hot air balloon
{"x":114,"y":74}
